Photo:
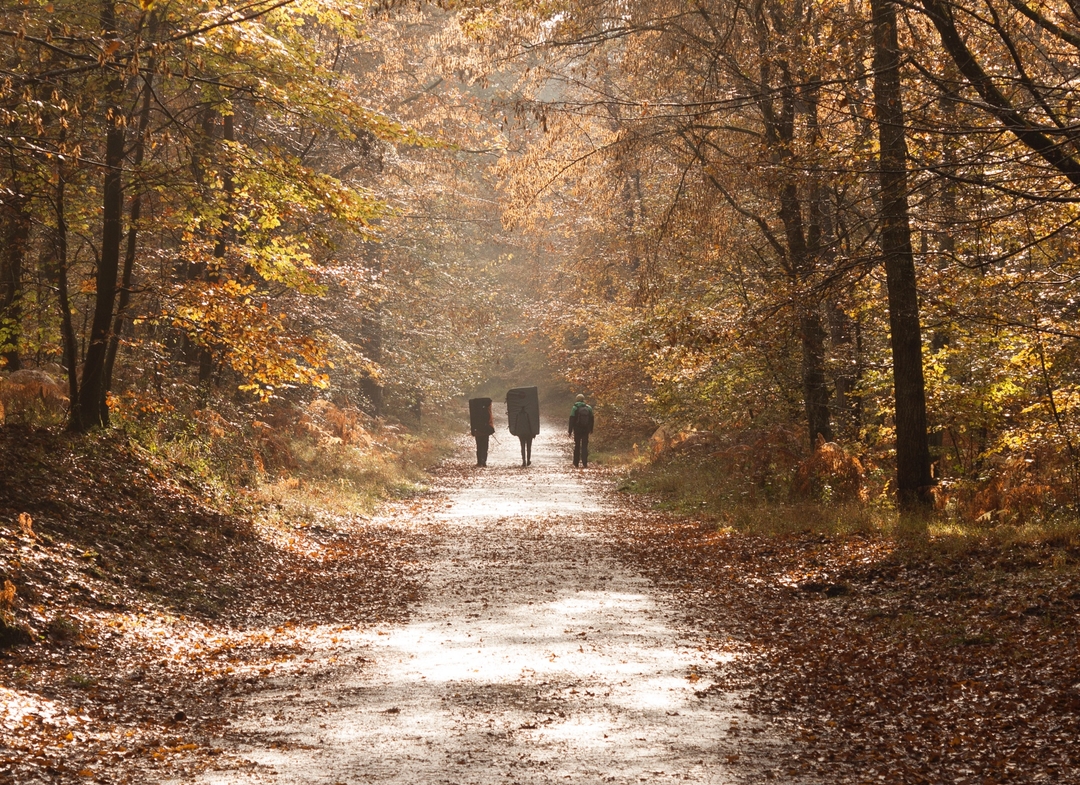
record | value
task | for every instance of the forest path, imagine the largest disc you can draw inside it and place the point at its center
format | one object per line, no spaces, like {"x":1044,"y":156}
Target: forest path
{"x":536,"y":656}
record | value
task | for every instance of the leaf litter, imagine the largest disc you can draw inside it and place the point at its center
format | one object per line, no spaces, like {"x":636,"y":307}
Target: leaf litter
{"x":158,"y":622}
{"x":534,"y":655}
{"x":886,"y":663}
{"x":150,"y":610}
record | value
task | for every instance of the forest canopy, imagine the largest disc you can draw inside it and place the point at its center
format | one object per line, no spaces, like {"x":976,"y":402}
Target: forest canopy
{"x":791,"y":228}
{"x":835,"y":221}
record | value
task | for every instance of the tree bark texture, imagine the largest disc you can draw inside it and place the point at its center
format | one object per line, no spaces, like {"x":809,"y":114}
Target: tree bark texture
{"x":67,"y":327}
{"x":134,"y":215}
{"x":16,"y":222}
{"x":93,"y":408}
{"x":913,"y":476}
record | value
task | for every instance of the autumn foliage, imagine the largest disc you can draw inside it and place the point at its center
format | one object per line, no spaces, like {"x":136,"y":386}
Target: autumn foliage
{"x":829,"y":474}
{"x":703,"y":187}
{"x":248,"y":252}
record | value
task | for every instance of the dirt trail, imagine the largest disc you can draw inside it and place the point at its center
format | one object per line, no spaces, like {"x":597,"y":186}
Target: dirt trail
{"x":535,"y":657}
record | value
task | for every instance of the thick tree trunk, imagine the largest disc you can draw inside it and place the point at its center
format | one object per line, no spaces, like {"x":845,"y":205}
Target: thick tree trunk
{"x":913,"y":480}
{"x":93,"y":409}
{"x":815,"y":385}
{"x":16,"y":222}
{"x":67,"y":328}
{"x":134,"y":214}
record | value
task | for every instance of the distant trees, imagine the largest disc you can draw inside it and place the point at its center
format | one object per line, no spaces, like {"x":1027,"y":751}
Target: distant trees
{"x":812,"y":184}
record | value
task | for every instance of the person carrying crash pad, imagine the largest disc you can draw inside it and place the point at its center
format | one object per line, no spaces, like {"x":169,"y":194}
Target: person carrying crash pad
{"x":523,"y":415}
{"x":581,"y":425}
{"x":481,"y":425}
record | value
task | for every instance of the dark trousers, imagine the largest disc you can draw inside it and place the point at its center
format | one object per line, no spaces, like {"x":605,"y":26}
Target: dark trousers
{"x":526,"y":449}
{"x":581,"y":449}
{"x":481,"y":450}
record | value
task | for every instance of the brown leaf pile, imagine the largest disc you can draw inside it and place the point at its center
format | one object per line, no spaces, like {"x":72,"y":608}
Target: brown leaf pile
{"x":889,"y":664}
{"x":148,"y":608}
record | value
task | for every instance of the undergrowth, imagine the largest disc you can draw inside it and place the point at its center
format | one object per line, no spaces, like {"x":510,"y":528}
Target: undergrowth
{"x":705,"y":487}
{"x":289,"y":461}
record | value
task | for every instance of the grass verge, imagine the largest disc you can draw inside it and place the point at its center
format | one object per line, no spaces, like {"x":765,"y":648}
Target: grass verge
{"x":707,"y":490}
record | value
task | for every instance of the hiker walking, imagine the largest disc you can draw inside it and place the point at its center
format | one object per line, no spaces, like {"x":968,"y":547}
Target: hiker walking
{"x":481,"y":425}
{"x":523,"y":417}
{"x":581,"y":425}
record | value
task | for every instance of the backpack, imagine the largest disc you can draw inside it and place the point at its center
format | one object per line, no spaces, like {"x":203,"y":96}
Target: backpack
{"x":523,"y":425}
{"x":583,"y":419}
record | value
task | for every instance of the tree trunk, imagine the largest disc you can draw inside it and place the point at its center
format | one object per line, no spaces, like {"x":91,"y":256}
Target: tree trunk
{"x":803,"y":260}
{"x":819,"y":236}
{"x":913,"y":480}
{"x":213,"y":274}
{"x":842,"y":331}
{"x":371,"y":386}
{"x":93,"y":409}
{"x":802,"y":257}
{"x":67,"y":328}
{"x":16,"y":221}
{"x":945,"y":241}
{"x":134,"y":214}
{"x":815,"y":385}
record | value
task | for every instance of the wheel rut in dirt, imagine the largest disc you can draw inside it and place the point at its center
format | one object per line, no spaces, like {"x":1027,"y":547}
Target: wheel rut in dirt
{"x":536,"y":656}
